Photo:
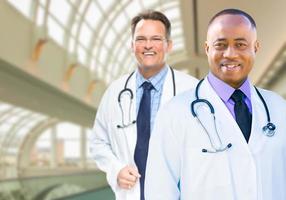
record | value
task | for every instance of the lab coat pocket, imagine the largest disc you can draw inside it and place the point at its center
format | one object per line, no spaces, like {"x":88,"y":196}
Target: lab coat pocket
{"x":123,"y":142}
{"x":209,"y":175}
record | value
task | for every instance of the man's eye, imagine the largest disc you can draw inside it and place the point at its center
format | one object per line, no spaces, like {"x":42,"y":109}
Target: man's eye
{"x":220,"y":45}
{"x":241,"y":45}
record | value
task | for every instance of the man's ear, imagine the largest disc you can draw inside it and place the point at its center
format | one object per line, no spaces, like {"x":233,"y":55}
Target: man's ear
{"x":170,"y":46}
{"x":132,"y":45}
{"x":256,"y":46}
{"x":206,"y":47}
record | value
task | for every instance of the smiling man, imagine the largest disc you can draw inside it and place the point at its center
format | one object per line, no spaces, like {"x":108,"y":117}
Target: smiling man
{"x":127,"y":111}
{"x":228,"y":137}
{"x":231,"y":47}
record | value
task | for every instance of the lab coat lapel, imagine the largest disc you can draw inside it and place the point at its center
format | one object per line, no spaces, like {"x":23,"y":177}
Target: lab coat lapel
{"x":259,"y":119}
{"x":226,"y":124}
{"x":131,"y":131}
{"x":167,"y":92}
{"x":240,"y":158}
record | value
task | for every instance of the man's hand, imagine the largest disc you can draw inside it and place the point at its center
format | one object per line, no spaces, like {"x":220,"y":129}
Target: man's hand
{"x":127,"y":177}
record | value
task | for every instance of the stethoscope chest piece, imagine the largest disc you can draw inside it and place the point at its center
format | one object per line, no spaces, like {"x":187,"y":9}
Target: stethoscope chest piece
{"x":269,"y":129}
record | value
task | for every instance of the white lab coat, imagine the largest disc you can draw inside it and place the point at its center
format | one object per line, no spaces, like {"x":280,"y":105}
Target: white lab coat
{"x":253,"y":171}
{"x":113,"y":148}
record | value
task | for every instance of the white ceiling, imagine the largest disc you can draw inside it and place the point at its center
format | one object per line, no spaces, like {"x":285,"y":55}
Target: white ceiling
{"x":270,"y":17}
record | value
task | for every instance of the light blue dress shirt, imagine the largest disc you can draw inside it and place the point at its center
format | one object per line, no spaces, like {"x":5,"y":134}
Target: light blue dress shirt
{"x":157,"y":82}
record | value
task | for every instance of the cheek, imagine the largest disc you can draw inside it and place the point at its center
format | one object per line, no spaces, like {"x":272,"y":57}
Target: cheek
{"x":163,"y":51}
{"x":250,"y":58}
{"x":167,"y":49}
{"x":214,"y":58}
{"x":136,"y":49}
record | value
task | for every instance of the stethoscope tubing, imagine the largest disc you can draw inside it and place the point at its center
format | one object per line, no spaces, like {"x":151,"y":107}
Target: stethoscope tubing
{"x":268,"y":129}
{"x":129,"y":91}
{"x":123,"y":123}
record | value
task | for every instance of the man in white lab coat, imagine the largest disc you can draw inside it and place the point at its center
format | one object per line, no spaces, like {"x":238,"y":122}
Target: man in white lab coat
{"x":194,"y":156}
{"x":122,"y":126}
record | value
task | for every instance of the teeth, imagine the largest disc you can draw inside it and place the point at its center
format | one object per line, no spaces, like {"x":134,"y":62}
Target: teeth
{"x":148,"y":53}
{"x":231,"y":66}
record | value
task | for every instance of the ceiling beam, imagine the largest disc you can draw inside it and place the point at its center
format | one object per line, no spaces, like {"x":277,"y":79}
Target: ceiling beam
{"x":25,"y":90}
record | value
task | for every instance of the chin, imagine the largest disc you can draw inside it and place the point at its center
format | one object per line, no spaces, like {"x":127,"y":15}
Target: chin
{"x":146,"y":67}
{"x":234,"y":83}
{"x":149,"y":66}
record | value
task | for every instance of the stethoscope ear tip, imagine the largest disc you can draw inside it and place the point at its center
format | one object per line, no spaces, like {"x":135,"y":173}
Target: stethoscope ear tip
{"x":217,"y":150}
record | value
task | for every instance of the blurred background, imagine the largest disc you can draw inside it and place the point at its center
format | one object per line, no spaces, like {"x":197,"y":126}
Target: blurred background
{"x":57,"y":57}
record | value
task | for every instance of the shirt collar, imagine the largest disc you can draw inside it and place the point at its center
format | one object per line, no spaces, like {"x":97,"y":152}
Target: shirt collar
{"x":224,"y":90}
{"x":156,"y":80}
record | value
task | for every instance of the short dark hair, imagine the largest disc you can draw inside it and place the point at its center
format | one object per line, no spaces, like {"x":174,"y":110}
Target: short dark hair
{"x":152,"y":15}
{"x":232,"y":11}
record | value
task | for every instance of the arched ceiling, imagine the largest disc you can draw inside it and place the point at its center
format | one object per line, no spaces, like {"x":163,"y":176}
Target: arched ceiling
{"x":97,"y":33}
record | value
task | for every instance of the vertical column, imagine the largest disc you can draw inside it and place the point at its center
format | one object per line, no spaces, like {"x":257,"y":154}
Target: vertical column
{"x":83,"y":148}
{"x":53,"y":163}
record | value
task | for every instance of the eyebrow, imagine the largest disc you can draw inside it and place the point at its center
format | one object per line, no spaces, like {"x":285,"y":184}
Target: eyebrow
{"x":224,"y":39}
{"x":150,"y":36}
{"x":240,"y":39}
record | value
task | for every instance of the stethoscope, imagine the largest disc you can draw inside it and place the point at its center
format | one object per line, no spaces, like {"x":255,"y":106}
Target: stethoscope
{"x":268,"y":129}
{"x":128,"y":91}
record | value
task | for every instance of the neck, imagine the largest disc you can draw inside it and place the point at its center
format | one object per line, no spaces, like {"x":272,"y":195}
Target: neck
{"x":149,"y":72}
{"x":237,"y":85}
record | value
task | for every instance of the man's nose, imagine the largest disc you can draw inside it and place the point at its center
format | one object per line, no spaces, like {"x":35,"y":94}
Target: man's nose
{"x":230,"y":52}
{"x":148,"y":43}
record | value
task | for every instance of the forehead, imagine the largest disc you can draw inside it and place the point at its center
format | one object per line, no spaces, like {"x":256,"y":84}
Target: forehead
{"x":149,"y":27}
{"x":231,"y":26}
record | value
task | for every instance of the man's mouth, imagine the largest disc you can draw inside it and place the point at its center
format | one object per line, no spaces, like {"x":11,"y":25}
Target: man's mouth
{"x":149,"y":53}
{"x":230,"y":66}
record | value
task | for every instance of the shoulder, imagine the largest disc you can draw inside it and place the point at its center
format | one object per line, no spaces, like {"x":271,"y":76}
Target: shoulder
{"x":184,"y":98}
{"x":184,"y":81}
{"x":270,"y":95}
{"x":177,"y":114}
{"x":181,"y":76}
{"x":273,"y":99}
{"x":111,"y":93}
{"x":117,"y":84}
{"x":180,"y":103}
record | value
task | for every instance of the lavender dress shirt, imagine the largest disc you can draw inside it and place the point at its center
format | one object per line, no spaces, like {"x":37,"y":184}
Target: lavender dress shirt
{"x":224,"y":91}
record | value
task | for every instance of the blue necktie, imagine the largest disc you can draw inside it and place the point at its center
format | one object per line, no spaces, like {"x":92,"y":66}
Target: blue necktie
{"x":143,"y":133}
{"x":242,"y":114}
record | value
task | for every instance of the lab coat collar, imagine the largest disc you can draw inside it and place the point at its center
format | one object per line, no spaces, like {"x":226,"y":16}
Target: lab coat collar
{"x":226,"y":124}
{"x":168,"y":92}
